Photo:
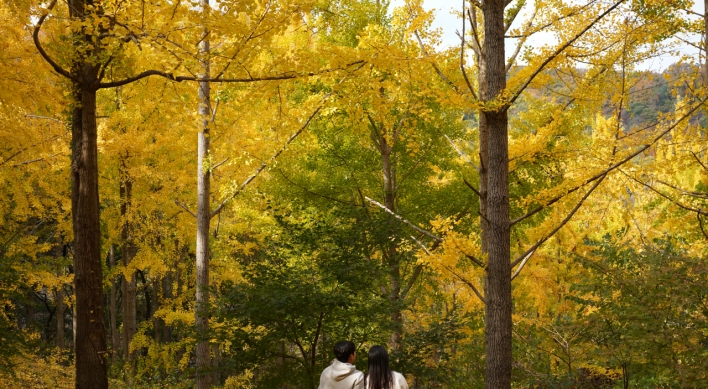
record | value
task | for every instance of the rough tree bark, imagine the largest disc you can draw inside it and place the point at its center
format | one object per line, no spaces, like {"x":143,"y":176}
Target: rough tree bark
{"x":498,"y":286}
{"x":391,"y":252}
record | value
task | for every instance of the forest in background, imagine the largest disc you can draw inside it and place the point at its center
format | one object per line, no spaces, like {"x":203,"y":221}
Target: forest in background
{"x":266,"y":178}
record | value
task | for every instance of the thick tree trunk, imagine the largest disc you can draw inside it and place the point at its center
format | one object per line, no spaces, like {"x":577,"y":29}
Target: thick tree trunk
{"x":113,"y":312}
{"x":498,"y":322}
{"x":203,"y":363}
{"x":90,"y":340}
{"x":127,"y":250}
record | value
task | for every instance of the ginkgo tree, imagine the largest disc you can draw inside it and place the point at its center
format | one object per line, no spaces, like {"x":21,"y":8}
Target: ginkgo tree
{"x":582,"y":31}
{"x":105,"y":39}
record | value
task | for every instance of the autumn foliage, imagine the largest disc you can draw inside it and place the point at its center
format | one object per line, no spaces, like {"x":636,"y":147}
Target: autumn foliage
{"x":213,"y":193}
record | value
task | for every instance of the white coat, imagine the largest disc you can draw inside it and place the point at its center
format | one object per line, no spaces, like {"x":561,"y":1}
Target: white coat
{"x":340,"y":375}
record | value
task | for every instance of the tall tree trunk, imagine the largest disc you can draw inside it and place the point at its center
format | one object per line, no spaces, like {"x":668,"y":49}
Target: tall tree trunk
{"x":90,"y":340}
{"x":113,"y":312}
{"x":498,"y":322}
{"x":392,"y":255}
{"x":483,"y":149}
{"x":203,"y":363}
{"x":127,"y":251}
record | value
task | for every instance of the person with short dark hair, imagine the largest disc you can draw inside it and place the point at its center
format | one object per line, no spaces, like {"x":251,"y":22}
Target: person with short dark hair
{"x":379,"y":375}
{"x":342,"y":374}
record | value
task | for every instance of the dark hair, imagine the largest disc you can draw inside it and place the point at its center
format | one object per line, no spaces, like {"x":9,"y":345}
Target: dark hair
{"x":343,"y":349}
{"x":379,"y":375}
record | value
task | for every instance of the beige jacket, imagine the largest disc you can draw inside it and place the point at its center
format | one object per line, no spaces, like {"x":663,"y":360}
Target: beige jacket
{"x":340,"y":375}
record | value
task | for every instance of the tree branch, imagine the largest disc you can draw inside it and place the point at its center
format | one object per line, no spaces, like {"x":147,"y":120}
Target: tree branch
{"x":616,"y":165}
{"x":38,"y":45}
{"x":276,"y":155}
{"x":413,"y":226}
{"x":466,"y":282}
{"x":179,"y":204}
{"x":437,"y":70}
{"x":521,"y":265}
{"x":524,"y":256}
{"x":462,"y":54}
{"x":675,"y":202}
{"x":170,"y":76}
{"x":461,"y":153}
{"x":473,"y":189}
{"x":560,"y":50}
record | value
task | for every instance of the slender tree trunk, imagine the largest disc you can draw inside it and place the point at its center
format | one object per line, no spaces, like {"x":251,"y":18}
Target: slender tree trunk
{"x":498,"y":322}
{"x":203,"y":363}
{"x":127,"y":250}
{"x":166,"y":295}
{"x":59,"y":297}
{"x":156,"y":322}
{"x":394,"y":260}
{"x":483,"y":150}
{"x":114,"y":312}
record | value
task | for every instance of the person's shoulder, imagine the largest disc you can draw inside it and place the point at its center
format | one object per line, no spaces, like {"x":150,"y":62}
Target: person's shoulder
{"x":400,"y":380}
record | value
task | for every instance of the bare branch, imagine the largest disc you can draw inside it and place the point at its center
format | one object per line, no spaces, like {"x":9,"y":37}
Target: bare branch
{"x":700,"y":195}
{"x":416,"y":273}
{"x":471,"y":14}
{"x":413,"y":226}
{"x":45,"y":117}
{"x":700,"y":224}
{"x":219,"y":164}
{"x":473,"y":189}
{"x":521,"y":265}
{"x":667,"y":197}
{"x":276,"y":155}
{"x":615,"y":165}
{"x":466,"y":282}
{"x":179,"y":204}
{"x":522,"y":41}
{"x":437,"y":70}
{"x":533,"y":248}
{"x":699,"y":161}
{"x":170,"y":76}
{"x":560,"y":50}
{"x":461,"y":153}
{"x":38,"y":45}
{"x":462,"y":54}
{"x":34,"y":160}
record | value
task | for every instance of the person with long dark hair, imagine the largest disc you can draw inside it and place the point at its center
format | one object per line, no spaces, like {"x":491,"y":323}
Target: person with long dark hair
{"x":379,"y":375}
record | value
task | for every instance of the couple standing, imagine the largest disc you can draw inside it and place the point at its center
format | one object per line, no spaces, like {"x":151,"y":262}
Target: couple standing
{"x":342,"y":374}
